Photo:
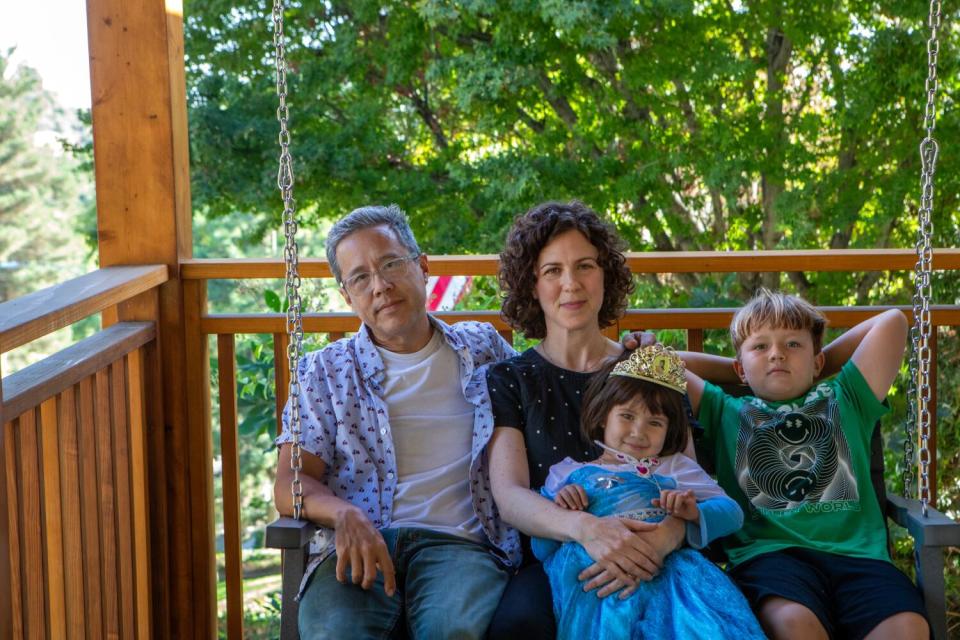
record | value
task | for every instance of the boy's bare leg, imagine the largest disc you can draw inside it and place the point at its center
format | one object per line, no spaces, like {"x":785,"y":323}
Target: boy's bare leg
{"x":782,"y":619}
{"x":903,"y":626}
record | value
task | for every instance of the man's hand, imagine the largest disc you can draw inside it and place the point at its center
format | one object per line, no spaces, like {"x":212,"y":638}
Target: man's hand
{"x":637,"y":339}
{"x":573,"y":497}
{"x":362,"y":551}
{"x":681,"y":504}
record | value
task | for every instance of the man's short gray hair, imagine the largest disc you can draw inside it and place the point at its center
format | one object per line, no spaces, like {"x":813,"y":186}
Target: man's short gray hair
{"x":364,"y":218}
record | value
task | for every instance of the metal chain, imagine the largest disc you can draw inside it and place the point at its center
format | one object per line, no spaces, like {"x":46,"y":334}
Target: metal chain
{"x":919,"y":391}
{"x":291,"y":259}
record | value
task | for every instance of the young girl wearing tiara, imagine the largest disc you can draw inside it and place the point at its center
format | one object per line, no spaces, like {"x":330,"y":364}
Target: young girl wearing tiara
{"x":634,"y":411}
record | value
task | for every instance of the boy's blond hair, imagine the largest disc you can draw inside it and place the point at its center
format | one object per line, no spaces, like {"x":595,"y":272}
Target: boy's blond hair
{"x":780,"y":311}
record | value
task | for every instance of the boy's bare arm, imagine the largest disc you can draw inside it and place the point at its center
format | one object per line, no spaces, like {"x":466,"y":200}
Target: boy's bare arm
{"x":876,"y":346}
{"x":694,"y":385}
{"x":716,"y":369}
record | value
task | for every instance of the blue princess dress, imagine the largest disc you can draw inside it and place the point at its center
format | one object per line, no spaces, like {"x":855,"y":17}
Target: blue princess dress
{"x":690,"y":598}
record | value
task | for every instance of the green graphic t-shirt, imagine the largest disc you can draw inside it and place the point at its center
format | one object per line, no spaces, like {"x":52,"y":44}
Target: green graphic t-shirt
{"x":800,"y":470}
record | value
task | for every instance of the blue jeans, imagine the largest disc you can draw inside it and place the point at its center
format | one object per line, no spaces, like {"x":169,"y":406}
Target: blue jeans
{"x":447,"y":587}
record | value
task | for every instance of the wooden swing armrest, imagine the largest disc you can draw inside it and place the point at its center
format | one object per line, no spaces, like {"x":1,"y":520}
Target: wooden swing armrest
{"x":288,"y":533}
{"x":936,"y":530}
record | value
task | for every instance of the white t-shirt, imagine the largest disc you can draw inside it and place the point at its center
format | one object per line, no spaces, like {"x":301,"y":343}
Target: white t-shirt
{"x":432,"y":427}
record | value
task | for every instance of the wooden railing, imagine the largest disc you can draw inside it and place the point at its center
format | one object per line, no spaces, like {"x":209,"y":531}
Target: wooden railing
{"x":337,"y":325}
{"x":74,"y":517}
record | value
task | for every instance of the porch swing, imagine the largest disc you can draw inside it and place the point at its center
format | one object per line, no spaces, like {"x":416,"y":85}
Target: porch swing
{"x":931,"y":530}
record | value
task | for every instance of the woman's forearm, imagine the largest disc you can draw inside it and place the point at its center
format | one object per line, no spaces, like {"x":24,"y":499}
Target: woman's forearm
{"x":536,"y":516}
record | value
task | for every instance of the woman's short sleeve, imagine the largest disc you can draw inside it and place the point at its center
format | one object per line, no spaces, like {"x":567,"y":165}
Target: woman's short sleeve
{"x":505,"y":396}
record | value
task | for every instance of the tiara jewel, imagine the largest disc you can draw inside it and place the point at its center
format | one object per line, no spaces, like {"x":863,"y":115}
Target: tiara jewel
{"x":656,"y":363}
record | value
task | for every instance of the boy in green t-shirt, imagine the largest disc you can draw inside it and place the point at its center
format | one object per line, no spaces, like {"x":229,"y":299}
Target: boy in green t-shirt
{"x":811,"y":556}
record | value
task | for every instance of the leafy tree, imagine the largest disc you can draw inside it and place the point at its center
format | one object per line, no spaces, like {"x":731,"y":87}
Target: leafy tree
{"x":39,"y":188}
{"x":693,"y":125}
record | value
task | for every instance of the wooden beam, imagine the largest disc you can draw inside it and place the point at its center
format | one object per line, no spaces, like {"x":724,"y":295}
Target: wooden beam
{"x":143,"y":216}
{"x":37,"y":314}
{"x":198,"y":441}
{"x":812,"y":260}
{"x":717,"y":318}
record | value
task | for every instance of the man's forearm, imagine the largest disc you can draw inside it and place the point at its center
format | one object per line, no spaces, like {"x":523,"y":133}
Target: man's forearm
{"x":320,"y":505}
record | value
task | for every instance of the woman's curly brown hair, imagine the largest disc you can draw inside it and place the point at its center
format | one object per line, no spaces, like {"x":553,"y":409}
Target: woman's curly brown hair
{"x":529,"y":234}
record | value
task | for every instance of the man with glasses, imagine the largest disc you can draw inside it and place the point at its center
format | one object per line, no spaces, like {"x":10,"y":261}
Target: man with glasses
{"x":394,"y":424}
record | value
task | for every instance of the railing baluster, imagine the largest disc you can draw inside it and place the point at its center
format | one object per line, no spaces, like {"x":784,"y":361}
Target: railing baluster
{"x":932,"y":440}
{"x":281,"y":374}
{"x":107,"y":502}
{"x":138,"y":486}
{"x":121,"y":470}
{"x":695,"y":340}
{"x":52,"y":520}
{"x":88,"y":512}
{"x":11,"y":608}
{"x":70,"y":492}
{"x":230,"y":461}
{"x":31,"y":532}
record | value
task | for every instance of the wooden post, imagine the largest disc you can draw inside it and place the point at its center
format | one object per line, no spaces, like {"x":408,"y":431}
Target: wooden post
{"x":144,"y":217}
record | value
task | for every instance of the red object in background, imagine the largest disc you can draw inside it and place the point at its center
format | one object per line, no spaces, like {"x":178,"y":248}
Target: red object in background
{"x":444,"y":292}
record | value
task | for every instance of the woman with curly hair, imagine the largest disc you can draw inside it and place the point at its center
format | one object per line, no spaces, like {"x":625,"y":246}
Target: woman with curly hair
{"x":564,"y":279}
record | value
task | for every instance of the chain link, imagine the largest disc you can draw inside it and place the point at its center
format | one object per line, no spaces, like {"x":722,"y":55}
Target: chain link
{"x":291,"y":259}
{"x":919,"y":390}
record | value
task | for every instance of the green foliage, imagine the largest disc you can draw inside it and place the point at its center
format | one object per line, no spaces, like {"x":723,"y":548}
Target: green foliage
{"x":45,"y":198}
{"x":41,"y":190}
{"x":707,"y":125}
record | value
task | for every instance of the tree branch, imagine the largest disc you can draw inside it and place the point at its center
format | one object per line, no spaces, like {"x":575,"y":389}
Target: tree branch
{"x":422,"y":107}
{"x":558,"y":101}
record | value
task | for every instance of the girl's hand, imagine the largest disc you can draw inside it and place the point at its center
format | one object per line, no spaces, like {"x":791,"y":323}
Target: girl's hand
{"x":573,"y":497}
{"x":681,"y":504}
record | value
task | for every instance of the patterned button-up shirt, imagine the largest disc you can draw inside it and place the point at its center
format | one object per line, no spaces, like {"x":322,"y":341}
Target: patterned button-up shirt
{"x":345,"y":422}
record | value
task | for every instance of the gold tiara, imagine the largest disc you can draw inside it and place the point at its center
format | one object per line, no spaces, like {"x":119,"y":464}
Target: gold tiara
{"x":656,"y":363}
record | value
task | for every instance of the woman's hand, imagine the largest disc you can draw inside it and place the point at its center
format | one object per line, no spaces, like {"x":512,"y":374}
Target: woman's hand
{"x":657,"y":541}
{"x":618,"y":551}
{"x":573,"y":497}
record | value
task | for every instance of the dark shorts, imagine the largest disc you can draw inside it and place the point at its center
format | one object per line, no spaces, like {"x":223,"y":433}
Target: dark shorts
{"x":850,"y":596}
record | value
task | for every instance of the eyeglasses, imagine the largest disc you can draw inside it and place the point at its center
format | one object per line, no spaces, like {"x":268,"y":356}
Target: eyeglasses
{"x":389,"y":271}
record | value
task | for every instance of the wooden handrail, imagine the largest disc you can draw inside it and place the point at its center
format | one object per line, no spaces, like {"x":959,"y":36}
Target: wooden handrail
{"x":42,"y":312}
{"x":816,"y":260}
{"x":32,"y":385}
{"x":707,"y":318}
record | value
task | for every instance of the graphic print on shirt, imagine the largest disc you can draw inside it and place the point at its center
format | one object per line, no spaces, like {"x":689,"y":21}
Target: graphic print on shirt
{"x":795,"y":458}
